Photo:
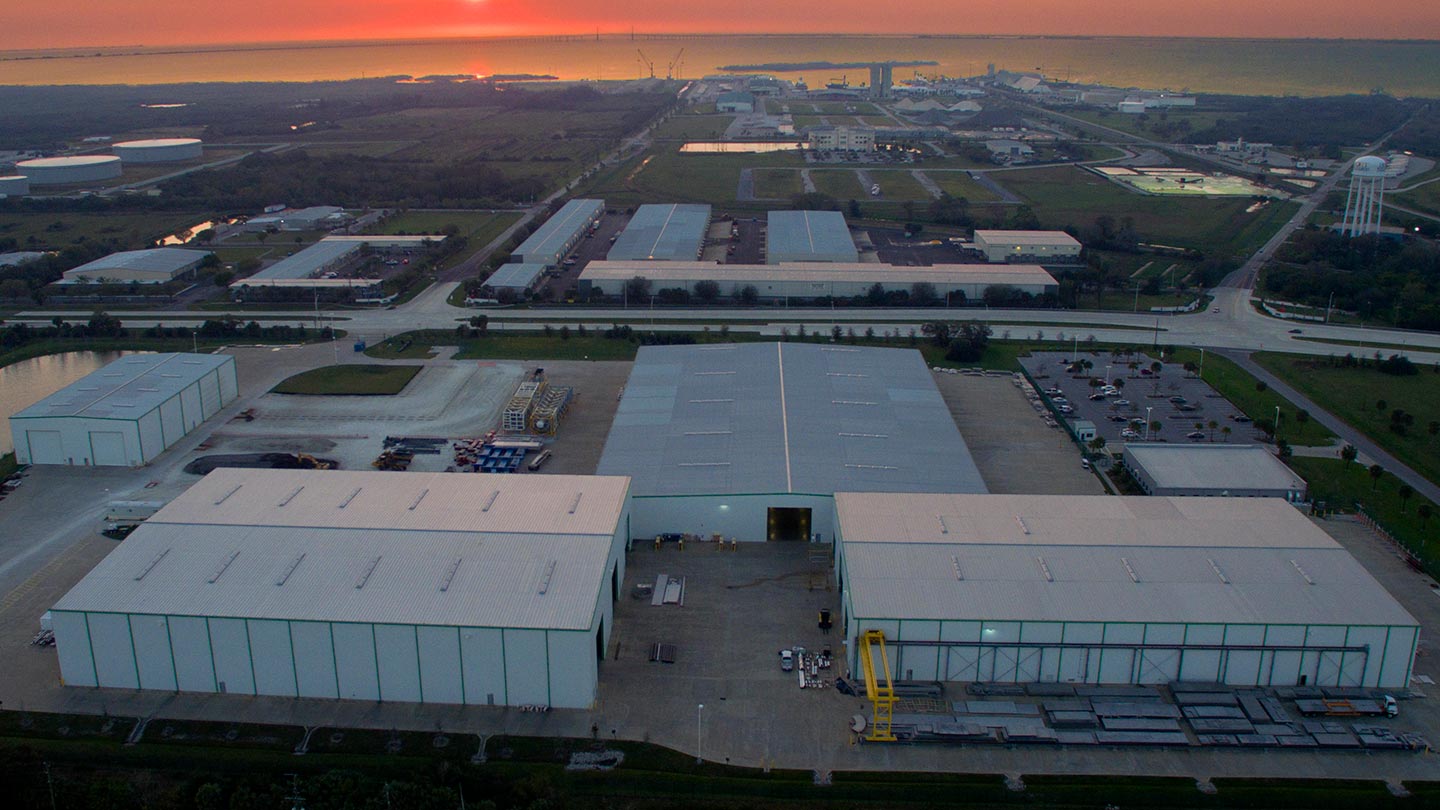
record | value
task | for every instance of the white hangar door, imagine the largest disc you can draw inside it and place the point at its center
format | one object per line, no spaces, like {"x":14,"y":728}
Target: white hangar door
{"x":108,"y":448}
{"x":45,"y":447}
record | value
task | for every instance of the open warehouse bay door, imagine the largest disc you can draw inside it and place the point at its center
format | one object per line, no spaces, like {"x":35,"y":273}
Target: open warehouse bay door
{"x":787,"y":523}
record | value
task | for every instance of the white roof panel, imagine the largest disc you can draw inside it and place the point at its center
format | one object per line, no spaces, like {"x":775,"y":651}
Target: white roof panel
{"x":1212,"y":466}
{"x":858,"y":272}
{"x":127,"y":388}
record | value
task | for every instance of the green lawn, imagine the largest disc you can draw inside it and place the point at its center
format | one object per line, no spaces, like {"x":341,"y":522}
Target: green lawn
{"x":1352,"y":394}
{"x":1236,"y":385}
{"x":1344,"y":485}
{"x":899,"y":184}
{"x":694,"y":127}
{"x":1066,"y":195}
{"x":1425,"y":198}
{"x":478,"y":226}
{"x":350,"y":380}
{"x":842,"y":184}
{"x":959,"y":184}
{"x":777,"y":184}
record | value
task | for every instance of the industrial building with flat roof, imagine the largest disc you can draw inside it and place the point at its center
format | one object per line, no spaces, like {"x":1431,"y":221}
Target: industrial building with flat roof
{"x":519,"y":278}
{"x":808,"y":280}
{"x":316,"y":217}
{"x":735,"y":102}
{"x":306,"y":268}
{"x":126,"y":413}
{"x":1027,"y":247}
{"x":153,"y":266}
{"x":808,"y":236}
{"x":552,"y":242}
{"x":411,"y":587}
{"x":1114,"y":590}
{"x":664,"y":233}
{"x":751,"y":440}
{"x":1233,"y":470}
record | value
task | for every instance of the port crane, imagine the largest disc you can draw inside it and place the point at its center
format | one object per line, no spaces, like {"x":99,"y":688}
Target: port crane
{"x":645,"y":62}
{"x":880,"y":695}
{"x":674,"y":67}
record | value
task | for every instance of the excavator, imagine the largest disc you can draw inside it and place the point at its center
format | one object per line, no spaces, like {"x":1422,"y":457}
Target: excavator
{"x":880,"y":695}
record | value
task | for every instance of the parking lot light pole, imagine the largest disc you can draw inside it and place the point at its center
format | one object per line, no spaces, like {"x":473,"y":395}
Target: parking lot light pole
{"x":699,"y":733}
{"x":1147,"y":423}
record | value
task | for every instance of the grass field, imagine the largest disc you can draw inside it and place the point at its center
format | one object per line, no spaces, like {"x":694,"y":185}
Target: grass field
{"x":842,"y":184}
{"x":1135,"y":126}
{"x":350,"y":380}
{"x":693,"y":127}
{"x":1352,"y":395}
{"x":1344,"y":485}
{"x":478,"y":226}
{"x":1236,"y":385}
{"x":899,"y":184}
{"x":959,"y":184}
{"x":1425,"y":198}
{"x":668,"y":176}
{"x":1066,"y":195}
{"x":129,"y":231}
{"x":777,"y":184}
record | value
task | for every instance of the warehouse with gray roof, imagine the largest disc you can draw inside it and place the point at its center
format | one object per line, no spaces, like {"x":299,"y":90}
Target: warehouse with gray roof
{"x":553,"y":241}
{"x":380,"y":586}
{"x":126,"y":413}
{"x":751,"y":441}
{"x":1227,"y":470}
{"x":801,"y":280}
{"x":663,"y":233}
{"x":808,"y":236}
{"x":1113,"y":590}
{"x":153,"y":266}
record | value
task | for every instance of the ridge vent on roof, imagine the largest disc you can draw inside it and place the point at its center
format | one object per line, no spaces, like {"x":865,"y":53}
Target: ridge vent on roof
{"x":1308,"y":580}
{"x":545,"y":579}
{"x":295,"y":563}
{"x":491,"y":501}
{"x":1023,"y":527}
{"x":215,"y":577}
{"x":450,"y":574}
{"x":575,"y":504}
{"x":944,"y":529}
{"x":955,"y":563}
{"x":1045,"y":569}
{"x":151,"y":567}
{"x":365,"y":577}
{"x":419,"y":498}
{"x":1214,"y":566}
{"x":1130,"y":570}
{"x":227,"y":495}
{"x":288,"y":498}
{"x":350,"y":498}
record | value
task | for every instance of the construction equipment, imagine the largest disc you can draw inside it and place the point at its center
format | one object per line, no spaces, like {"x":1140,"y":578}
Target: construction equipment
{"x":645,"y":60}
{"x":882,"y":697}
{"x":673,"y":69}
{"x":309,"y":462}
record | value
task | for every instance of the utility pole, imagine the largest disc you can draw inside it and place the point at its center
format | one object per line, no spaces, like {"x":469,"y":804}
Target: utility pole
{"x":699,"y":733}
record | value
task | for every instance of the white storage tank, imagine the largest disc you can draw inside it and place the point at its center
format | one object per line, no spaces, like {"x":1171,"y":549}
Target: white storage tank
{"x":75,"y":169}
{"x":16,"y":185}
{"x":159,"y":150}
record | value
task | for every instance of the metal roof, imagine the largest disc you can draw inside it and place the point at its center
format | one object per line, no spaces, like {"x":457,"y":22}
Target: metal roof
{"x":549,"y":240}
{"x":840,"y":272}
{"x":165,"y":260}
{"x":785,"y":417}
{"x":1047,"y":238}
{"x":17,"y":258}
{"x":1212,"y":466}
{"x":815,"y":236}
{"x":318,"y":574}
{"x":1098,"y":558}
{"x":413,"y":548}
{"x":307,"y":262}
{"x":663,"y":233}
{"x":515,"y":276}
{"x":366,"y":499}
{"x":127,"y":388}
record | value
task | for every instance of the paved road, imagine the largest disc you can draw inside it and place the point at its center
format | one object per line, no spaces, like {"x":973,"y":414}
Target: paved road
{"x":1342,"y":429}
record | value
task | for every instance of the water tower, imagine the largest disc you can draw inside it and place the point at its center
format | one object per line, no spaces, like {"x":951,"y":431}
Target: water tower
{"x":1367,"y":195}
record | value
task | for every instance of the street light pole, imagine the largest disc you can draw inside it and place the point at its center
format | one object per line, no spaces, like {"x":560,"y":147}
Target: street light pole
{"x":1147,"y":423}
{"x":699,"y":735}
{"x":1277,"y":423}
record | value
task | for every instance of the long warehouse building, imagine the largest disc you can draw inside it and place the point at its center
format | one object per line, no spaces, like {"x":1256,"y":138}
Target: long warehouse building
{"x":412,"y":587}
{"x":751,"y":441}
{"x":126,"y":413}
{"x":808,"y":236}
{"x":663,"y":233}
{"x":1113,"y":590}
{"x":814,"y":280}
{"x":552,"y":242}
{"x":1028,"y":247}
{"x":150,"y":266}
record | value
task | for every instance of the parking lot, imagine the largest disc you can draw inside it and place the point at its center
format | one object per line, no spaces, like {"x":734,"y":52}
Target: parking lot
{"x":565,"y":277}
{"x":921,"y":250}
{"x":1168,"y":405}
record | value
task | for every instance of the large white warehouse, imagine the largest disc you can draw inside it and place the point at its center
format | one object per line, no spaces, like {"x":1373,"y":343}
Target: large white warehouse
{"x":1027,"y":247}
{"x":76,"y":169}
{"x":752,"y":440}
{"x":152,"y":266}
{"x":127,"y":413}
{"x":551,"y":242}
{"x":159,"y":150}
{"x":412,"y":587}
{"x":1127,"y":590}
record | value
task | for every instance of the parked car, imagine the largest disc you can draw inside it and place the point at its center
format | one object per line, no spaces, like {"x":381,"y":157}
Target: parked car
{"x":1118,"y":418}
{"x":1129,"y":433}
{"x":787,"y":660}
{"x":1097,"y":396}
{"x":1085,"y":464}
{"x":1179,"y":400}
{"x":1242,"y":419}
{"x":1195,"y":435}
{"x":1121,"y":403}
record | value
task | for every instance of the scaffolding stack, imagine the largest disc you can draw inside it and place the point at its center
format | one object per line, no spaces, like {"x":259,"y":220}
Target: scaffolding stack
{"x":517,"y":413}
{"x":545,"y":417}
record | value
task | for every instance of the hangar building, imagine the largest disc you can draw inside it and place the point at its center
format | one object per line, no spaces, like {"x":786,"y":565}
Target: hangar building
{"x":817,"y":280}
{"x":1233,"y":470}
{"x":552,"y":242}
{"x":1028,"y":247}
{"x":152,"y":266}
{"x":127,"y":413}
{"x":808,"y":236}
{"x":752,"y":440}
{"x":411,"y":587}
{"x":664,"y":233}
{"x":1114,"y":590}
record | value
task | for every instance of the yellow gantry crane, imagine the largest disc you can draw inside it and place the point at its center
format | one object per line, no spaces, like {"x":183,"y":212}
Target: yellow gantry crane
{"x":881,"y":696}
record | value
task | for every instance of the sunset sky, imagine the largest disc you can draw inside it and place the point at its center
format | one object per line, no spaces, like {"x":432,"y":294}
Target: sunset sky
{"x":71,"y":23}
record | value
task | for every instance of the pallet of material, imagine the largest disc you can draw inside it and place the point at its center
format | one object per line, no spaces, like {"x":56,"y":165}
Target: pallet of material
{"x":1127,"y":709}
{"x":1255,"y":740}
{"x":1295,"y":741}
{"x":1075,"y":737}
{"x":1217,"y":739}
{"x":1128,"y":692}
{"x":1206,"y":699}
{"x":1275,"y":709}
{"x":1340,"y":740}
{"x":1325,"y":727}
{"x":1220,"y":726}
{"x":1071,"y":719}
{"x":1254,"y":709}
{"x":1278,"y":729}
{"x":1065,"y":705}
{"x":1214,"y":712}
{"x":1049,"y":690}
{"x":1377,"y":737}
{"x":1339,"y":708}
{"x":1141,"y":738}
{"x":996,"y":707}
{"x":662,"y":653}
{"x":1139,"y":724}
{"x":1004,"y":689}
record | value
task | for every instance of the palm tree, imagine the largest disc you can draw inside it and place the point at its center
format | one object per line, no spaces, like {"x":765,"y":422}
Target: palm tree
{"x":1225,"y":431}
{"x":1404,"y":492}
{"x":1376,"y":471}
{"x":1424,"y":511}
{"x":1348,"y":454}
{"x":1213,"y":425}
